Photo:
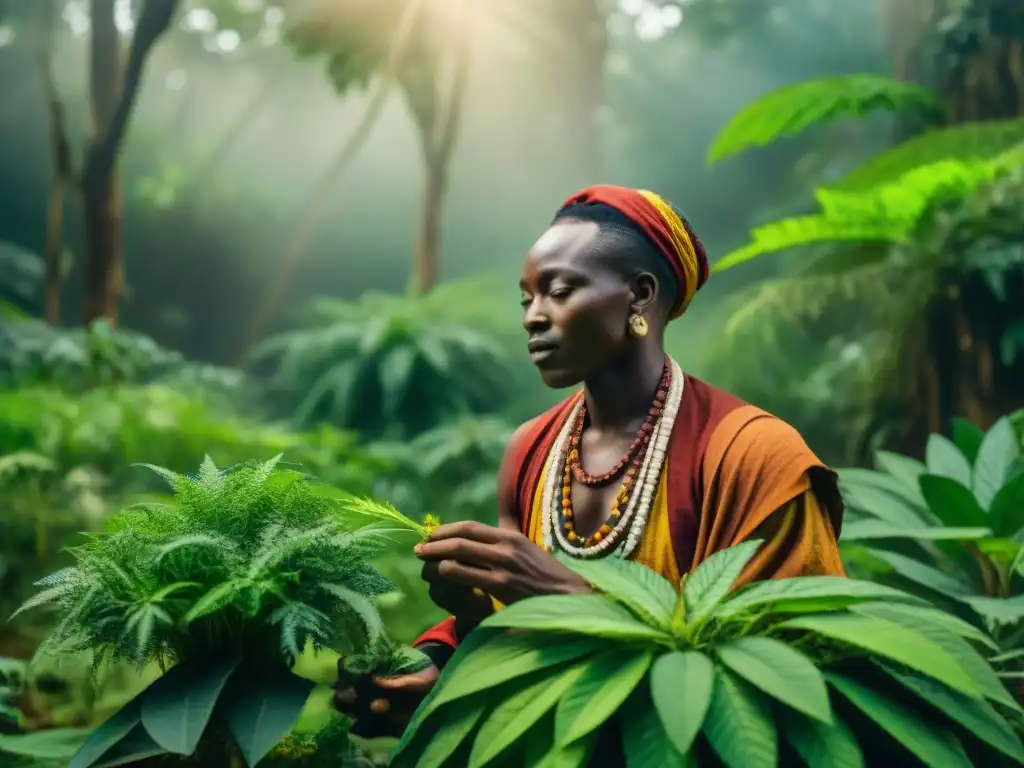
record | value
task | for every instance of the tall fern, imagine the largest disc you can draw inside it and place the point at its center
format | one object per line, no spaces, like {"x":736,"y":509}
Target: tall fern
{"x":794,"y":108}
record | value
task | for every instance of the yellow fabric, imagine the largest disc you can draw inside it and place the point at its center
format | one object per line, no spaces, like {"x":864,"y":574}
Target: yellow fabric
{"x":683,"y":245}
{"x":655,"y":550}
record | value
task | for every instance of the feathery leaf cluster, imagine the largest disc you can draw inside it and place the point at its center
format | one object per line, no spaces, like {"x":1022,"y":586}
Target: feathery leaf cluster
{"x":255,"y":560}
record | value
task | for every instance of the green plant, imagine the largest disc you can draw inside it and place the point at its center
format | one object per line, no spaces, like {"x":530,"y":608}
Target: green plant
{"x":388,"y":363}
{"x":951,"y":525}
{"x":223,"y":587}
{"x":809,"y":670}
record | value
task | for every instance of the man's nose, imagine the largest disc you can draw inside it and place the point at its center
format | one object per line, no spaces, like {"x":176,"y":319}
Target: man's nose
{"x":535,"y":319}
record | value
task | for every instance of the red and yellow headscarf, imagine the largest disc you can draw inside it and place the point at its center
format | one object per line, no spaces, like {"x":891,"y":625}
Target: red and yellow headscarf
{"x":670,"y":233}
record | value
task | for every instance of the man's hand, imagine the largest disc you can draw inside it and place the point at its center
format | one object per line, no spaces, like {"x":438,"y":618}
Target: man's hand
{"x":503,"y":563}
{"x":381,"y":706}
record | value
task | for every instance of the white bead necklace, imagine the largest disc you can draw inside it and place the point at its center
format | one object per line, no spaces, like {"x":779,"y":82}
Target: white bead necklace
{"x":634,"y":519}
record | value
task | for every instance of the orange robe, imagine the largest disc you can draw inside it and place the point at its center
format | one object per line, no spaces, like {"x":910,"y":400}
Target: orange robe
{"x":732,"y":472}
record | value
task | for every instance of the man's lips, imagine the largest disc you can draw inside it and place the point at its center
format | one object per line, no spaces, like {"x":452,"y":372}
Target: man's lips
{"x":541,"y":349}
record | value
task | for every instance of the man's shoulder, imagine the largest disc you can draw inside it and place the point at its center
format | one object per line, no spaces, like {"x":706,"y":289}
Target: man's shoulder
{"x":530,"y":431}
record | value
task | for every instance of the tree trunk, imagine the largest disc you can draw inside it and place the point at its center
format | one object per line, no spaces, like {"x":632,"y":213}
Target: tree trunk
{"x":427,"y":253}
{"x":113,"y":92}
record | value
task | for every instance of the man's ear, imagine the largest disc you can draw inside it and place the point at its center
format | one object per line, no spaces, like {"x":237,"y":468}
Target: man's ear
{"x":645,"y":292}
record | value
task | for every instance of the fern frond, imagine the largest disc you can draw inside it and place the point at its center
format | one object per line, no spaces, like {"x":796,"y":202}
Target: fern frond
{"x":965,"y":143}
{"x":383,"y":512}
{"x":173,"y":479}
{"x":794,"y":108}
{"x":362,"y":608}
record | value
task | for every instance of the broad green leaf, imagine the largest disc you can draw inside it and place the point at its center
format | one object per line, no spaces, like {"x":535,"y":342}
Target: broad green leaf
{"x":780,"y":671}
{"x":807,"y":593}
{"x":945,"y":634}
{"x":636,"y":586}
{"x":925,"y":575}
{"x":682,"y":715}
{"x":1007,"y":510}
{"x":52,"y":744}
{"x":713,"y":579}
{"x":934,"y":746}
{"x":739,"y":725}
{"x":888,"y":639}
{"x":952,"y":503}
{"x":132,"y":749}
{"x":107,"y":734}
{"x":575,"y":755}
{"x":459,"y":721}
{"x":872,"y":530}
{"x":884,"y":497}
{"x":998,"y":611}
{"x":967,"y":437}
{"x":514,"y":716}
{"x":974,"y":715}
{"x":643,"y":736}
{"x":999,"y":449}
{"x":508,"y":656}
{"x":911,"y":616}
{"x":593,"y":615}
{"x":596,"y":695}
{"x":945,"y":459}
{"x":903,"y":468}
{"x":820,"y":745}
{"x":177,"y":707}
{"x":260,"y":709}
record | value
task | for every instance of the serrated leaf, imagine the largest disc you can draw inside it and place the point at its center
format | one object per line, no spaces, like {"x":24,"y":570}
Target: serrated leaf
{"x":739,"y":725}
{"x":820,"y":745}
{"x":460,"y":719}
{"x":682,"y":716}
{"x":935,"y":747}
{"x":912,"y":616}
{"x":515,"y":715}
{"x":807,"y":593}
{"x":595,"y":696}
{"x":975,"y":715}
{"x":636,"y":586}
{"x":952,"y":502}
{"x":643,"y":736}
{"x":260,"y":709}
{"x":177,"y":706}
{"x":779,"y":671}
{"x":506,"y":657}
{"x":945,"y":459}
{"x":710,"y":582}
{"x":999,"y":449}
{"x":889,"y":640}
{"x":593,"y":615}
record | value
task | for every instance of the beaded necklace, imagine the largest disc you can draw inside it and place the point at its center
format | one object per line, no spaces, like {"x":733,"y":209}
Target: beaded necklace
{"x":628,"y":517}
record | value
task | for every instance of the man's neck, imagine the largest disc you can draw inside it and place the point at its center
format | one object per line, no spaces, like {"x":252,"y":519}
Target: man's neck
{"x":620,"y":396}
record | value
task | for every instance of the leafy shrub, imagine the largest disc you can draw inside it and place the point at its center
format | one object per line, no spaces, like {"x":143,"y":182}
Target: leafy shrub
{"x":224,"y":587}
{"x":950,"y":526}
{"x":810,"y":670}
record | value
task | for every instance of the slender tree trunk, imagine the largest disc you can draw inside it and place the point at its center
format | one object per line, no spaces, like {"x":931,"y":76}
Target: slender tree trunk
{"x":113,"y":89}
{"x":439,"y":130}
{"x":63,"y":171}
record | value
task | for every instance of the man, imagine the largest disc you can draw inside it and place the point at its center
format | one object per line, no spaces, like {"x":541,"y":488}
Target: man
{"x":643,"y":462}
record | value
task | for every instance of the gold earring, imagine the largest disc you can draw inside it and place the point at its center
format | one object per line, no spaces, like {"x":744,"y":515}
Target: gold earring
{"x":638,"y":326}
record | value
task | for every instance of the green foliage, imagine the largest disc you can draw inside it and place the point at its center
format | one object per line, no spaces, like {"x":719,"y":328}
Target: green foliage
{"x":224,"y":586}
{"x":794,"y":108}
{"x":388,"y":361}
{"x":33,"y":352}
{"x":890,"y":213}
{"x":950,"y":526}
{"x":780,"y":670}
{"x":966,"y":143}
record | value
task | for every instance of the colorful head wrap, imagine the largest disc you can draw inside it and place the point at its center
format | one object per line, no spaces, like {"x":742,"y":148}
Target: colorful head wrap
{"x":667,"y":231}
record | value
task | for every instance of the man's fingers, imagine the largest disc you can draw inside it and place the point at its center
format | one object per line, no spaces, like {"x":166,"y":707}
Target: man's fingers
{"x":464,"y":550}
{"x":467,"y":529}
{"x":456,"y":573}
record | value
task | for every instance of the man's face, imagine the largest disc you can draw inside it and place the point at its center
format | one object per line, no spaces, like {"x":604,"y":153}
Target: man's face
{"x":576,"y":308}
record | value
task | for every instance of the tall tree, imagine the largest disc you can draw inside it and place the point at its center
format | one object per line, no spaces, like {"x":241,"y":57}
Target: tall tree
{"x":113,"y":89}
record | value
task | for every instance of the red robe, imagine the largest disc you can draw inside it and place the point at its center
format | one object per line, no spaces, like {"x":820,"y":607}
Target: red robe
{"x":730,"y":467}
